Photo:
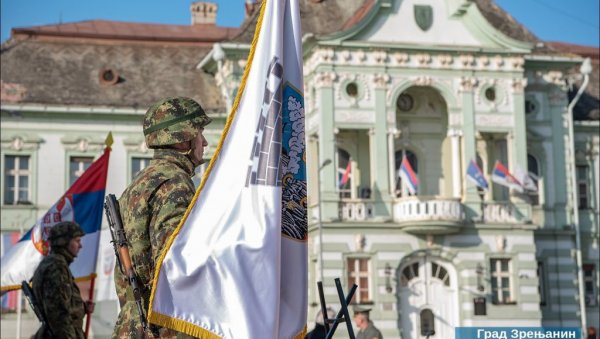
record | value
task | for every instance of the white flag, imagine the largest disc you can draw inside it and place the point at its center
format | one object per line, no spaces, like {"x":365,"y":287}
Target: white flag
{"x":527,"y":179}
{"x":236,"y":267}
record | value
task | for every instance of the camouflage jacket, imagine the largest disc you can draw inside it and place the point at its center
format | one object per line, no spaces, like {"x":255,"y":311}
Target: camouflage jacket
{"x":58,"y":296}
{"x":371,"y":332}
{"x":151,"y":208}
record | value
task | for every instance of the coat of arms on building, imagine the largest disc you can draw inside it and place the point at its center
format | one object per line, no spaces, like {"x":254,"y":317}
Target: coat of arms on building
{"x":423,"y":16}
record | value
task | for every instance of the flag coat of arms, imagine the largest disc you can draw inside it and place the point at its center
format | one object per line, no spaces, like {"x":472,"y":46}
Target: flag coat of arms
{"x":526,"y":179}
{"x":475,"y":174}
{"x":81,"y":203}
{"x":236,"y":266}
{"x":502,"y":176}
{"x":408,"y":175}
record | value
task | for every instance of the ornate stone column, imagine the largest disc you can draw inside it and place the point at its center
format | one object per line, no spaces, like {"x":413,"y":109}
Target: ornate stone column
{"x":471,"y":197}
{"x":379,"y":146}
{"x":457,"y":174}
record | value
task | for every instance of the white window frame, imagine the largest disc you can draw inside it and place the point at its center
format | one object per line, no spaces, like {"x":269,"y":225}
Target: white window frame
{"x":354,"y":275}
{"x":81,"y":168}
{"x":497,"y":274}
{"x":17,"y":173}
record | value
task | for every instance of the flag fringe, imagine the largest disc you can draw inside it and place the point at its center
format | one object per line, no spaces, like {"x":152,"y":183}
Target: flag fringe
{"x":158,"y":318}
{"x":181,"y":326}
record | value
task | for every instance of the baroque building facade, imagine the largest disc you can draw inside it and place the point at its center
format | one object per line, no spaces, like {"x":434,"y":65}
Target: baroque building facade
{"x":436,"y":83}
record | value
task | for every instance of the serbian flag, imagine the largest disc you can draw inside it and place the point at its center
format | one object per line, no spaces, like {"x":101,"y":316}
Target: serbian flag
{"x":408,"y":175}
{"x":81,"y":203}
{"x":475,"y":174}
{"x":346,"y":174}
{"x":236,"y":266}
{"x":502,"y":176}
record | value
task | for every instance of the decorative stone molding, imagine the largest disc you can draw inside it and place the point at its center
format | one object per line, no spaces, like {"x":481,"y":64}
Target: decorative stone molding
{"x":83,"y":143}
{"x":557,"y":98}
{"x":401,"y":58}
{"x":354,"y":117}
{"x":325,"y":79}
{"x":467,"y":60}
{"x":454,"y":132}
{"x":136,"y":145}
{"x":360,"y":242}
{"x":344,"y":55}
{"x":380,"y":57}
{"x":360,"y":55}
{"x":423,"y":58}
{"x":554,"y":77}
{"x":498,"y":61}
{"x":484,"y":61}
{"x":381,"y":80}
{"x":468,"y":84}
{"x":494,"y":120}
{"x":518,"y":85}
{"x":20,"y":142}
{"x":445,"y":60}
{"x":325,"y":54}
{"x":313,"y":122}
{"x":422,"y":81}
{"x":517,"y":63}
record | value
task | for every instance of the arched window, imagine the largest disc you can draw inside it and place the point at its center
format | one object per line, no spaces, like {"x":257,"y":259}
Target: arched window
{"x":409,"y":273}
{"x":427,"y":323}
{"x":344,"y":178}
{"x":534,"y":174}
{"x":440,"y":273}
{"x":400,"y":189}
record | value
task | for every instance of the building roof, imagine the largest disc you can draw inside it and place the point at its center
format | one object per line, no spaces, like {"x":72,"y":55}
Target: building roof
{"x":69,"y":64}
{"x":116,"y":30}
{"x":588,"y":106}
{"x":322,"y":17}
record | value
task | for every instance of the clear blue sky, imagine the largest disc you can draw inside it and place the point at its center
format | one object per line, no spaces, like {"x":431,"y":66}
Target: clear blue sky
{"x":574,"y":21}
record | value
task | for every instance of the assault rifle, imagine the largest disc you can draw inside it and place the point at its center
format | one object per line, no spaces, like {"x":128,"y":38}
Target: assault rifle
{"x":119,"y":241}
{"x":28,"y":293}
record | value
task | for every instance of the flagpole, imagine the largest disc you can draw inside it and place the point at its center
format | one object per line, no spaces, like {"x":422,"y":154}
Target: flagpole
{"x":325,"y":163}
{"x":88,"y":320}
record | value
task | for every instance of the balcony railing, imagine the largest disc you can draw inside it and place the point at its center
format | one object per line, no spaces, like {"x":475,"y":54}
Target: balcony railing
{"x":428,"y":209}
{"x":356,"y":210}
{"x":500,"y":213}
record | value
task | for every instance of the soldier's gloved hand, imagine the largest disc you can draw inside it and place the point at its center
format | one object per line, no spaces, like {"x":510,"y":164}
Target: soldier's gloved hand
{"x":89,"y":306}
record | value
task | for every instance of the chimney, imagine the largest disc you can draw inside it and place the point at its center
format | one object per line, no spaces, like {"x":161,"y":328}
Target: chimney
{"x":204,"y":13}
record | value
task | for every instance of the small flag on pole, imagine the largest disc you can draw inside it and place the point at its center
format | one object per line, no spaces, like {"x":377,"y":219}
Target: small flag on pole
{"x":502,"y":176}
{"x":346,"y":175}
{"x":527,"y":179}
{"x":408,"y":175}
{"x":475,"y":175}
{"x":81,"y":203}
{"x":236,"y":266}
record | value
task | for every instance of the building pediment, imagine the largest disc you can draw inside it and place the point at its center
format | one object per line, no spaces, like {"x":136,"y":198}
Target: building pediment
{"x":434,"y":23}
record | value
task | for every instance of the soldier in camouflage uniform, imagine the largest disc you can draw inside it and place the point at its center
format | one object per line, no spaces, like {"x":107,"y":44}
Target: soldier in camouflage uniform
{"x":366,"y":329}
{"x":54,"y":286}
{"x":155,"y":202}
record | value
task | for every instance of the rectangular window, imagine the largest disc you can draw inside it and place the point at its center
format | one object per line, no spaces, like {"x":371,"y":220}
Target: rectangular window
{"x":501,"y":281}
{"x":542,"y":282}
{"x":582,"y":187}
{"x":589,"y":279}
{"x":16,"y":179}
{"x":358,"y":273}
{"x":78,"y":165}
{"x":138,"y":164}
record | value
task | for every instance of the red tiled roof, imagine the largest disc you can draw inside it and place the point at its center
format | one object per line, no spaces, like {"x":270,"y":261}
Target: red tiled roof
{"x":104,"y":29}
{"x":584,"y":51}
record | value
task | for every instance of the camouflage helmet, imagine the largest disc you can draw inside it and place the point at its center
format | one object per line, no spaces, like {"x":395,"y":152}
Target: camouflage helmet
{"x":63,"y":232}
{"x":173,"y":120}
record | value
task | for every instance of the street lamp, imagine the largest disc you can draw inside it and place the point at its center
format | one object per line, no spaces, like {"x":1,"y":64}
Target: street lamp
{"x":325,"y":163}
{"x":585,"y":70}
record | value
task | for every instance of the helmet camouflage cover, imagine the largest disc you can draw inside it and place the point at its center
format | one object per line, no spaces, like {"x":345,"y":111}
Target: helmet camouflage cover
{"x":173,"y":120}
{"x":63,"y":232}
